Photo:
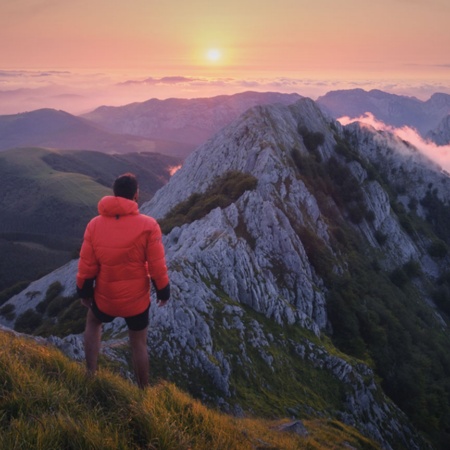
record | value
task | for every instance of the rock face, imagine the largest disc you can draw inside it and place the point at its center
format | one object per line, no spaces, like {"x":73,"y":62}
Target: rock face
{"x":246,"y":278}
{"x":441,"y":135}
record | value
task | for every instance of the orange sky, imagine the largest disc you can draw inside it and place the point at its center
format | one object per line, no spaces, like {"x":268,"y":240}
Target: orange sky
{"x":283,"y":36}
{"x":301,"y":46}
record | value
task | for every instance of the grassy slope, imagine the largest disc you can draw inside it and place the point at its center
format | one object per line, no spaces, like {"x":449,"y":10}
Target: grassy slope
{"x":48,"y":196}
{"x":46,"y":402}
{"x":34,"y":192}
{"x":40,"y":206}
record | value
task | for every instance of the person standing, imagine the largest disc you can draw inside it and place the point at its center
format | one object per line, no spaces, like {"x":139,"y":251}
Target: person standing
{"x":122,"y":252}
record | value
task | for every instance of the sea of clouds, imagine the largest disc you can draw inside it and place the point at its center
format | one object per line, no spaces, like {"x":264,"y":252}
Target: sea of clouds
{"x":81,"y":92}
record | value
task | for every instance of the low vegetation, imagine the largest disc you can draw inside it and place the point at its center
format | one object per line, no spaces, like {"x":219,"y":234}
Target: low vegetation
{"x":56,"y":315}
{"x":335,"y":180}
{"x":381,"y":317}
{"x":46,"y":402}
{"x":225,"y":190}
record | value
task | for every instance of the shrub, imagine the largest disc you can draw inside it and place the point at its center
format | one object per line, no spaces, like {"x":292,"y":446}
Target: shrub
{"x":412,"y":269}
{"x":343,"y":148}
{"x":438,"y":249}
{"x":399,"y":277}
{"x":7,"y":293}
{"x":441,"y":297}
{"x":28,"y":321}
{"x":356,"y":214}
{"x":318,"y":253}
{"x":311,"y":139}
{"x":53,"y":290}
{"x":406,"y":224}
{"x":438,"y":215}
{"x":380,"y":237}
{"x":56,"y":305}
{"x":7,"y":311}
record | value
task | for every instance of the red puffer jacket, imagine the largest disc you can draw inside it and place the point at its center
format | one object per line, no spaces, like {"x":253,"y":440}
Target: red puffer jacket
{"x":122,"y":249}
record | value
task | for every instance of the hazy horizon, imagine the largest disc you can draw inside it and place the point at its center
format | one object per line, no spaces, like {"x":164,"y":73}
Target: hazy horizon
{"x":81,"y":92}
{"x":79,"y":55}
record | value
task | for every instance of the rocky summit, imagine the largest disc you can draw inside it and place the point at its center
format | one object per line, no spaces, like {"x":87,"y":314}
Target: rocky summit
{"x":294,"y":244}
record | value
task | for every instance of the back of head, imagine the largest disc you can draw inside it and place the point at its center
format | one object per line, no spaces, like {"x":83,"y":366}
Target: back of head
{"x":126,"y":186}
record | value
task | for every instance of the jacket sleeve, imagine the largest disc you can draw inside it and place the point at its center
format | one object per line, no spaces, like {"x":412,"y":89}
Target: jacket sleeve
{"x":87,"y":266}
{"x":157,"y":263}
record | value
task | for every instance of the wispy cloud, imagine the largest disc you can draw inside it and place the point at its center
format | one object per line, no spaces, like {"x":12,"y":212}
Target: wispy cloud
{"x":163,"y":80}
{"x":440,"y":154}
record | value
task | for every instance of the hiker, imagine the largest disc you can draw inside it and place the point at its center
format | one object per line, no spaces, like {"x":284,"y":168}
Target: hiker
{"x":122,"y":251}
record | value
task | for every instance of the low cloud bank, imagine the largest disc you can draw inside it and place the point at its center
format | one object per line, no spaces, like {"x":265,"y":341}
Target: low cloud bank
{"x":81,"y":92}
{"x":440,"y":154}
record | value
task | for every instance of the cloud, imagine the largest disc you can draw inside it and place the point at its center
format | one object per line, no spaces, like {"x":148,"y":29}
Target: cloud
{"x":163,"y":80}
{"x":439,"y":154}
{"x":52,"y":89}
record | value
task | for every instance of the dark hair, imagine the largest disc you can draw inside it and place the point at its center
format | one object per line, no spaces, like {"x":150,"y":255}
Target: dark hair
{"x":126,"y":186}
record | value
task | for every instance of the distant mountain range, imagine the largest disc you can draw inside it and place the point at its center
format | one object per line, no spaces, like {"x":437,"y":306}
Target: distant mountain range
{"x":177,"y":126}
{"x":172,"y":127}
{"x":60,"y":130}
{"x":395,"y":110}
{"x":188,"y":121}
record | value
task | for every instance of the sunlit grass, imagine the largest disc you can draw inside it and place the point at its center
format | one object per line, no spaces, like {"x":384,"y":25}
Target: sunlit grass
{"x":46,"y":402}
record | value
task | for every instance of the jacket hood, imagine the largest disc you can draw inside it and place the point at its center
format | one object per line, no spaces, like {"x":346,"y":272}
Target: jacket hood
{"x":117,"y":206}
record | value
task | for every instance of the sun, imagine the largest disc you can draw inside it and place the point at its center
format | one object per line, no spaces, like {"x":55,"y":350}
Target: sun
{"x":214,"y":54}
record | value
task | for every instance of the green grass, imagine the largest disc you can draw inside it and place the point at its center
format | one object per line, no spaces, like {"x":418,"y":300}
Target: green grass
{"x":222,"y":193}
{"x":48,"y":197}
{"x":46,"y":402}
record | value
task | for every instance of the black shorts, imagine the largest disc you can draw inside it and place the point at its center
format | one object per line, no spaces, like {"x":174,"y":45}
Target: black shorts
{"x":135,"y":323}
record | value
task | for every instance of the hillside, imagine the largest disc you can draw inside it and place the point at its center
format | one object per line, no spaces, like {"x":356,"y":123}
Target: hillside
{"x":48,"y":196}
{"x":395,"y":110}
{"x":188,"y":121}
{"x":58,"y":129}
{"x":47,"y":403}
{"x":309,"y":273}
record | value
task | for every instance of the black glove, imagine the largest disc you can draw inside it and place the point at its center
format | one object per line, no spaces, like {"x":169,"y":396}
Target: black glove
{"x":87,"y":291}
{"x":162,"y":294}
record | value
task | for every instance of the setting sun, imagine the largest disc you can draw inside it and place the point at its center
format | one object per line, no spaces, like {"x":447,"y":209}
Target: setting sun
{"x":214,"y":55}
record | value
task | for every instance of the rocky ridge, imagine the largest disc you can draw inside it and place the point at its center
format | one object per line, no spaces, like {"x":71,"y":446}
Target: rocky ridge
{"x":241,"y":268}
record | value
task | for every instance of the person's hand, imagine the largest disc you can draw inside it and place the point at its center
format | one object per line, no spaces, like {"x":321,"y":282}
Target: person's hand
{"x":86,"y":302}
{"x":161,"y":302}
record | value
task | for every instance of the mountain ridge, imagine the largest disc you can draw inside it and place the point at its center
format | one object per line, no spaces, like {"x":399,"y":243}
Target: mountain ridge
{"x":295,"y":289}
{"x":52,"y":128}
{"x":191,"y":121}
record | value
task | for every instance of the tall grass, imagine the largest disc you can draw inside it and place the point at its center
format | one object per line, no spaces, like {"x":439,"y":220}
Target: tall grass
{"x":46,"y":402}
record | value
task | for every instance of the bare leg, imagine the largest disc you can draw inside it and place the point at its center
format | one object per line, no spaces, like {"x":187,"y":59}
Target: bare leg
{"x":92,"y":342}
{"x":139,"y":352}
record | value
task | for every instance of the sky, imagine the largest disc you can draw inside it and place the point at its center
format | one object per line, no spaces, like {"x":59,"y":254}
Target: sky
{"x":81,"y":52}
